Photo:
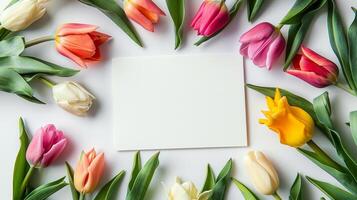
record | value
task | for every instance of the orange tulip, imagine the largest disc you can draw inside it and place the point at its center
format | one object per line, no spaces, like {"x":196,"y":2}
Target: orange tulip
{"x":144,"y":12}
{"x":88,"y":172}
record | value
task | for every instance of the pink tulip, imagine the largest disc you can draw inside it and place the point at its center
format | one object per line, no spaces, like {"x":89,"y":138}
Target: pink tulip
{"x":80,"y":42}
{"x":47,"y":144}
{"x":314,"y":69}
{"x":211,"y":17}
{"x":263,"y":44}
{"x":144,"y":12}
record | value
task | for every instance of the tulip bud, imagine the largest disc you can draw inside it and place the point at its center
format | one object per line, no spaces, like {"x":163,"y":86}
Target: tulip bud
{"x":314,"y":69}
{"x":263,"y":44}
{"x":88,"y":171}
{"x":46,"y":145}
{"x":262,"y":173}
{"x":186,"y":191}
{"x":73,"y":98}
{"x":211,"y":17}
{"x":22,"y":14}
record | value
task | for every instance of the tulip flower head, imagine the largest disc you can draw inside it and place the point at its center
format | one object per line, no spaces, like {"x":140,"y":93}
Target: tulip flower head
{"x":88,"y":171}
{"x":22,"y":14}
{"x":262,"y":173}
{"x":314,"y":69}
{"x":144,"y":12}
{"x":45,"y":147}
{"x":80,"y":42}
{"x":211,"y":17}
{"x":73,"y":98}
{"x":186,"y":191}
{"x":294,"y":125}
{"x":263,"y":44}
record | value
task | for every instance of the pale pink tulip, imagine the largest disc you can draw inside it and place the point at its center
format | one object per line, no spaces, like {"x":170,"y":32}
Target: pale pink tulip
{"x":211,"y":17}
{"x":47,"y":144}
{"x":263,"y":44}
{"x":80,"y":42}
{"x":313,"y":68}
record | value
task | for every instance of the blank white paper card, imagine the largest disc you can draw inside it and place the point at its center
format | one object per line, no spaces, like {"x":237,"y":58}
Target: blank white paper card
{"x":172,"y":102}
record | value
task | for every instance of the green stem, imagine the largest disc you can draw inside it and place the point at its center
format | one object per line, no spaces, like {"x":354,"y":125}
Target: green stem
{"x":279,"y":26}
{"x":324,"y":155}
{"x":82,"y":196}
{"x":345,"y":88}
{"x":38,"y":41}
{"x":46,"y":82}
{"x":27,"y":179}
{"x":277,"y":196}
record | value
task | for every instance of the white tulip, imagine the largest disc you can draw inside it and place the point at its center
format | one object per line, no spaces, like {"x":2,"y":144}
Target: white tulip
{"x":262,"y":173}
{"x":73,"y":98}
{"x":187,"y":191}
{"x":22,"y":14}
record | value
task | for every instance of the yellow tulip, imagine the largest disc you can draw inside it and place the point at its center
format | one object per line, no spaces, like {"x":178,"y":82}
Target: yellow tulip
{"x":293,"y":125}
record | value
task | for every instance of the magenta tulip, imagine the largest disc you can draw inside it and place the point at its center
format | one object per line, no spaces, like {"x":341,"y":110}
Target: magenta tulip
{"x":263,"y":44}
{"x":46,"y":145}
{"x":314,"y":69}
{"x":211,"y":17}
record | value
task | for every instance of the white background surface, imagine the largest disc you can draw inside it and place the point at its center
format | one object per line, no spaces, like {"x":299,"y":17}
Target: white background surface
{"x":189,"y":164}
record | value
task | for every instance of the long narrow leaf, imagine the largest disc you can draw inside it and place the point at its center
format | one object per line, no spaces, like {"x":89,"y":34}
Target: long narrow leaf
{"x":12,"y":47}
{"x":135,"y":171}
{"x":353,"y":125}
{"x":21,"y":166}
{"x":296,"y":189}
{"x":107,"y":191}
{"x":246,"y":192}
{"x":222,"y":182}
{"x":75,"y":193}
{"x":352,"y":40}
{"x":46,"y":190}
{"x":254,"y":7}
{"x":210,"y":180}
{"x":295,"y":14}
{"x":177,"y":12}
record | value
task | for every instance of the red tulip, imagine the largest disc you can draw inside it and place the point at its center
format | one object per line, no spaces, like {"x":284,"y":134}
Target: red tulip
{"x":144,"y":12}
{"x":211,"y":17}
{"x":314,"y":69}
{"x":80,"y":42}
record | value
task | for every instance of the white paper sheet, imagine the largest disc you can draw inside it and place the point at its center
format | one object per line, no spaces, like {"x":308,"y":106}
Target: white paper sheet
{"x":171,"y":102}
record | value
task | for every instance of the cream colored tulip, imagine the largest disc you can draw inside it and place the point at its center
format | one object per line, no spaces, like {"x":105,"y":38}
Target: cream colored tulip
{"x":186,"y":191}
{"x":73,"y":98}
{"x":22,"y":14}
{"x":262,"y":173}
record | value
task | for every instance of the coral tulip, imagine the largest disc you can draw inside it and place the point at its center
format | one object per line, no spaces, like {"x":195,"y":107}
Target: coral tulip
{"x":294,"y":125}
{"x":211,"y":17}
{"x":187,"y":191}
{"x":47,"y":144}
{"x":263,"y":44}
{"x":314,"y":69}
{"x":88,"y":171}
{"x":262,"y":173}
{"x":80,"y":42}
{"x":22,"y":14}
{"x":144,"y":12}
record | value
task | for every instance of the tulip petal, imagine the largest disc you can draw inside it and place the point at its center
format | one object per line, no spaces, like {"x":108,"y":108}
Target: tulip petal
{"x":153,"y":17}
{"x":217,"y":23}
{"x":62,"y":50}
{"x":81,"y":173}
{"x":210,"y":12}
{"x":310,"y":66}
{"x":259,"y":32}
{"x":80,"y":45}
{"x":95,"y":170}
{"x":258,"y":53}
{"x":268,"y":166}
{"x":198,"y":15}
{"x":311,"y":78}
{"x":275,"y":50}
{"x":149,"y":5}
{"x":35,"y":149}
{"x":75,"y":28}
{"x":53,"y":153}
{"x":244,"y":47}
{"x":133,"y":13}
{"x":312,"y":55}
{"x":178,"y":192}
{"x":99,"y":38}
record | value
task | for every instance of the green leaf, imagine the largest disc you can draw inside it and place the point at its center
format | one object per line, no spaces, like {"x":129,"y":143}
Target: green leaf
{"x":106,"y":192}
{"x":29,"y":65}
{"x":143,"y":179}
{"x":352,"y":40}
{"x":296,"y":189}
{"x":222,"y":182}
{"x":21,"y":166}
{"x":333,"y":192}
{"x":246,"y":192}
{"x":112,"y":10}
{"x":136,"y":169}
{"x":353,"y":125}
{"x":253,"y":8}
{"x":75,"y":193}
{"x":177,"y":12}
{"x":12,"y":47}
{"x":295,"y":14}
{"x":232,"y":13}
{"x":298,"y":31}
{"x":44,"y":191}
{"x":338,"y":41}
{"x":210,"y":179}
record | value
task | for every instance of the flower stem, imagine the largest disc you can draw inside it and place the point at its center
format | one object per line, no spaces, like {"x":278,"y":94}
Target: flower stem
{"x":277,"y":196}
{"x":279,"y":26}
{"x":81,"y":196}
{"x":324,"y":155}
{"x":345,"y":88}
{"x":46,"y":81}
{"x":27,"y":179}
{"x":38,"y":41}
